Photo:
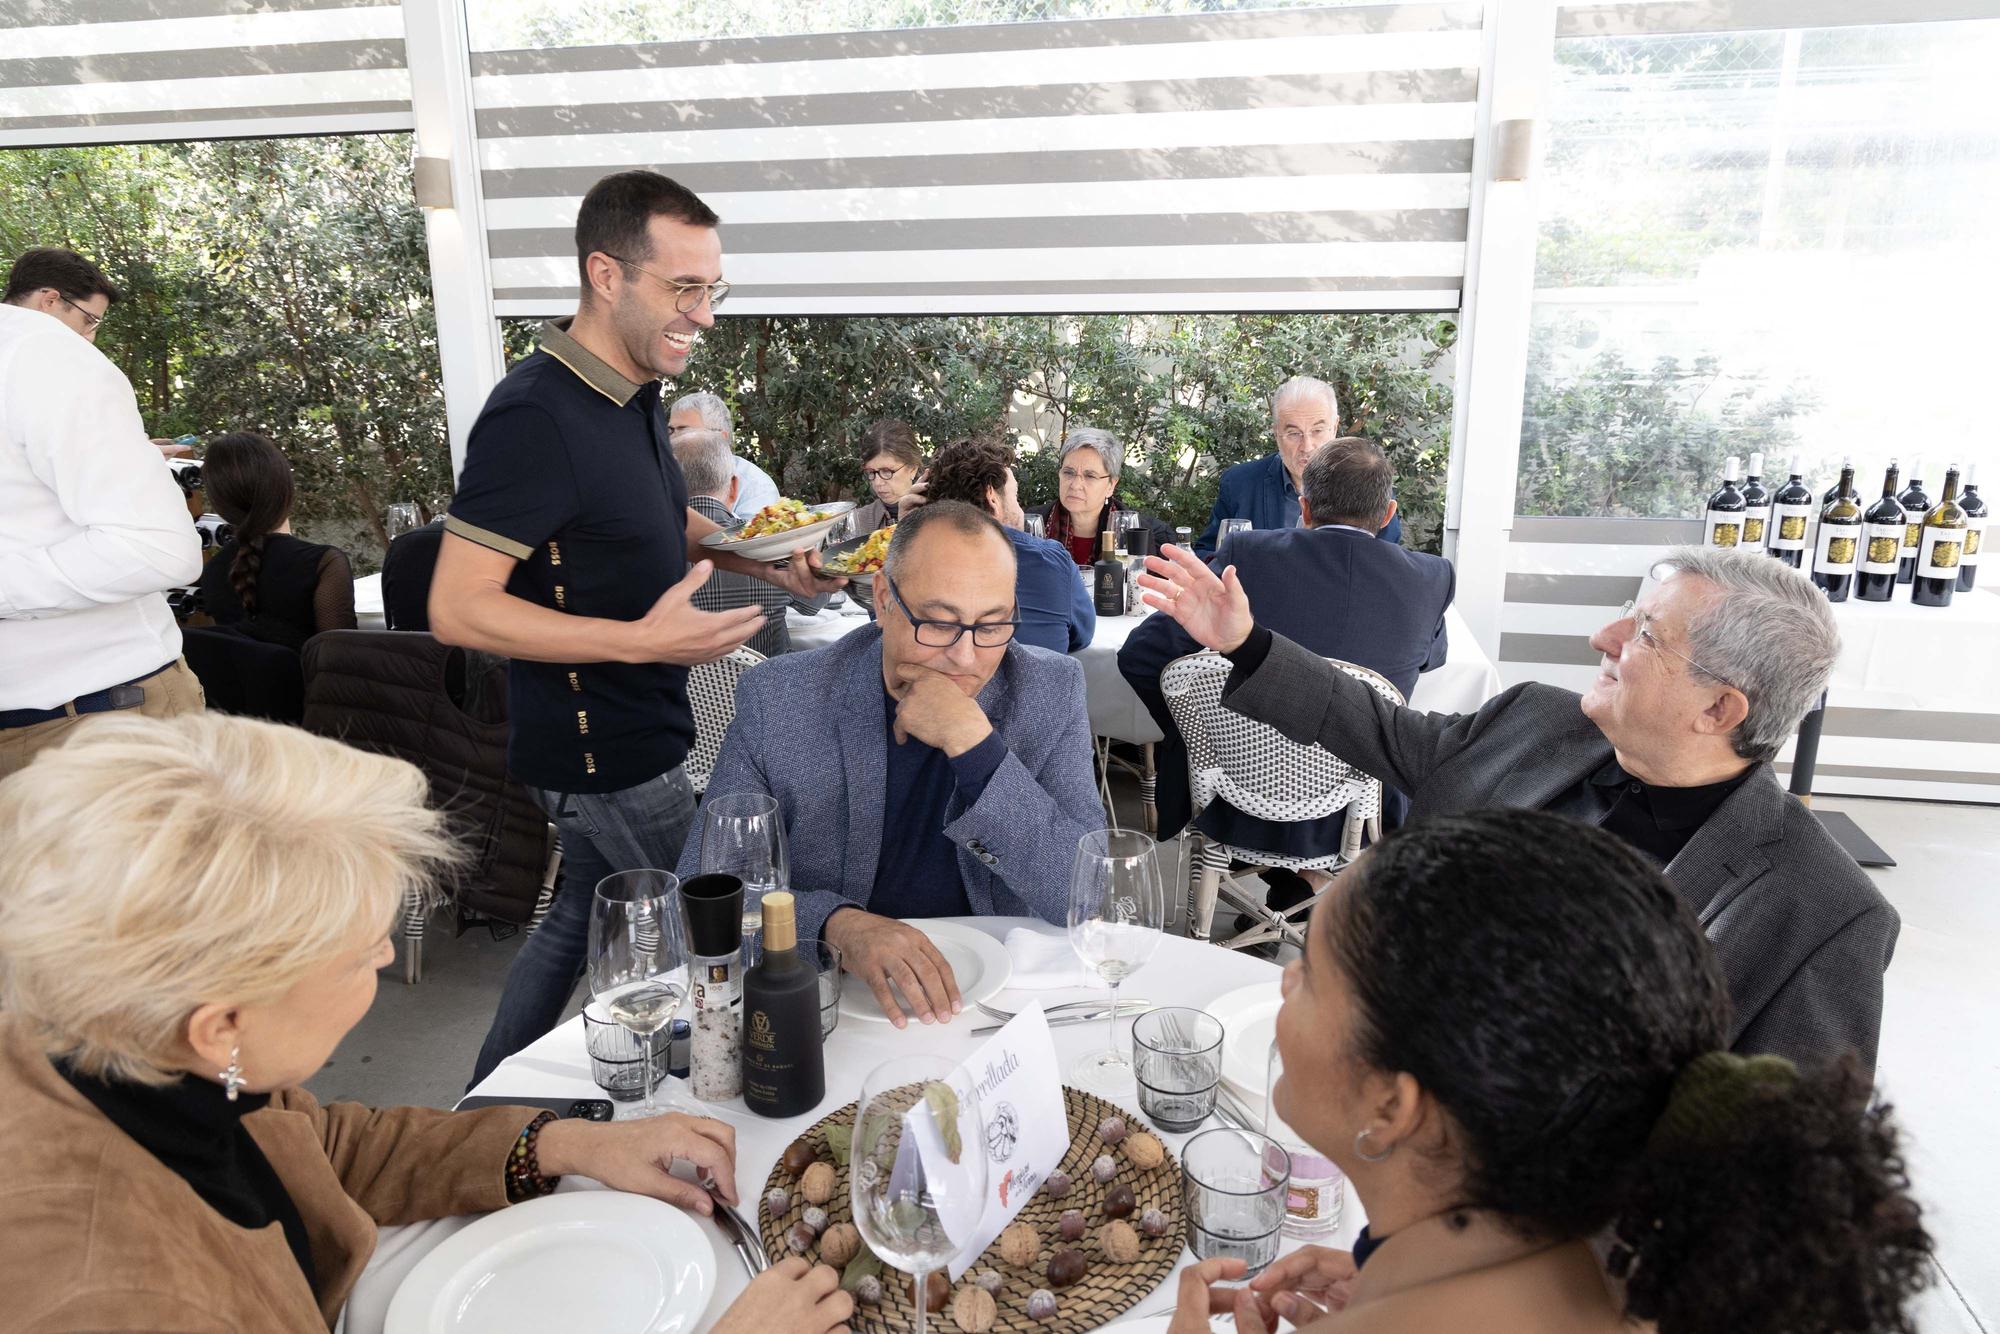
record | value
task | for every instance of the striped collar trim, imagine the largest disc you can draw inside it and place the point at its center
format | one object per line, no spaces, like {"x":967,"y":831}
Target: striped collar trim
{"x":585,"y":364}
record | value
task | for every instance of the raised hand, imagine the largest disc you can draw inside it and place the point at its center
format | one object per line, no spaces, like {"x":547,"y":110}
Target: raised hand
{"x":1216,"y":612}
{"x":677,"y":631}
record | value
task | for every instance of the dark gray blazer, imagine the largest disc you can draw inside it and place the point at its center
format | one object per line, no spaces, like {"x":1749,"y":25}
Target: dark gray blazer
{"x":1802,"y":934}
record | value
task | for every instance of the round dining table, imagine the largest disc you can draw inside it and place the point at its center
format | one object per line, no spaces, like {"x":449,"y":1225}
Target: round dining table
{"x":1181,"y":972}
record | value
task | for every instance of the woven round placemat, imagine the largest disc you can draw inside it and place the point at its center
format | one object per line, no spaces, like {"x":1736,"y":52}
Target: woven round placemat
{"x":1106,"y":1292}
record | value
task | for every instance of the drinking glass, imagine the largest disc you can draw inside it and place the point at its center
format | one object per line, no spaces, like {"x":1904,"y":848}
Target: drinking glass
{"x":621,"y":1062}
{"x":919,"y":1166}
{"x":1126,"y":522}
{"x":401,"y":517}
{"x":1116,"y":907}
{"x":1318,"y":1190}
{"x":741,"y":835}
{"x":1233,"y":1183}
{"x":1035,"y":525}
{"x":825,"y":956}
{"x":1232,"y":526}
{"x":638,"y":963}
{"x":1177,"y":1059}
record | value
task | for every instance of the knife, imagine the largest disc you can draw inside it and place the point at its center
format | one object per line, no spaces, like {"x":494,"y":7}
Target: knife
{"x":1125,"y":1011}
{"x":749,"y":1246}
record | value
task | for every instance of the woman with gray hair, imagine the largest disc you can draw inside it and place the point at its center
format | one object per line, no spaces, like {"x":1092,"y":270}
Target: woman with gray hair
{"x":1086,"y":495}
{"x":192,"y":915}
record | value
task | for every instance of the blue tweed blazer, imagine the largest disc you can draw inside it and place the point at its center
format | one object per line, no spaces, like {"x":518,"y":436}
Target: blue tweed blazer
{"x":808,"y":732}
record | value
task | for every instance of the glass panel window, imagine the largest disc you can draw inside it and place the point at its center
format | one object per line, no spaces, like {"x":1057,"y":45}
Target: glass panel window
{"x":1769,"y":241}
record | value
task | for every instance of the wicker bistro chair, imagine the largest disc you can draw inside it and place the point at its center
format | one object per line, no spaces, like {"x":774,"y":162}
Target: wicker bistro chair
{"x":712,"y":692}
{"x":1261,"y":772}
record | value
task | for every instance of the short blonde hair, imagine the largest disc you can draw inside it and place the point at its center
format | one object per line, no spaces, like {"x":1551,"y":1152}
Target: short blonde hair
{"x":152,"y":866}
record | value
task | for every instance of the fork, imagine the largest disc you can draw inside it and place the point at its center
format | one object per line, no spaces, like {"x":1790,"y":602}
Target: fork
{"x":995,"y":1012}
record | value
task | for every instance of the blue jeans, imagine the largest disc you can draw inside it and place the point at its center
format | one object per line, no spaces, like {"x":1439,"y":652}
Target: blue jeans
{"x":601,"y":832}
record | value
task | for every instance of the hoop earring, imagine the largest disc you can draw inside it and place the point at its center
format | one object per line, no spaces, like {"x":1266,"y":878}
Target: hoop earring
{"x":1360,"y":1152}
{"x":232,"y":1078}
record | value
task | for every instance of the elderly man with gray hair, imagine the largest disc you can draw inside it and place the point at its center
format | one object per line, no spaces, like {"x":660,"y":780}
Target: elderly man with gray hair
{"x":714,"y":492}
{"x":1701,"y":681}
{"x":1305,"y":414}
{"x":707,"y":412}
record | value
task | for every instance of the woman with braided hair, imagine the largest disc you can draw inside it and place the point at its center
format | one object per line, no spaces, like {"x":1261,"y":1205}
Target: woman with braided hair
{"x":271,"y":584}
{"x":1507,"y":1030}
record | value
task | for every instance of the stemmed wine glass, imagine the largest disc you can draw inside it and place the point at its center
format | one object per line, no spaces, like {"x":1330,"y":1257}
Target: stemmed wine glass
{"x":638,"y":959}
{"x":742,"y":835}
{"x":1116,"y":908}
{"x":919,"y":1177}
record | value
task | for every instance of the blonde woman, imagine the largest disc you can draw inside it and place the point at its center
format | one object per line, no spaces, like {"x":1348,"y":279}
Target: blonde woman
{"x":192,"y":914}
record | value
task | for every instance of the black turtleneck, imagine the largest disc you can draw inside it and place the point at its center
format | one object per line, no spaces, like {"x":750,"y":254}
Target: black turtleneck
{"x":193,"y":1128}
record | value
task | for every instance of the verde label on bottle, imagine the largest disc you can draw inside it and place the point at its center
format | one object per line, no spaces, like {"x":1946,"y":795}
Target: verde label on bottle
{"x":1975,"y":534}
{"x":1837,"y":548}
{"x":1940,"y":553}
{"x":1882,"y":548}
{"x":1788,"y":526}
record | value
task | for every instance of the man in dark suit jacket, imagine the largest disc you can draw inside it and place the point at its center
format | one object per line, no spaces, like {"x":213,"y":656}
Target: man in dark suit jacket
{"x":1701,"y":683}
{"x":1304,"y":415}
{"x":1330,"y":586}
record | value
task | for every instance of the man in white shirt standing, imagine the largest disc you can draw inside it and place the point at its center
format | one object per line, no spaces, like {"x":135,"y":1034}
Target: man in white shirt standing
{"x":95,"y":529}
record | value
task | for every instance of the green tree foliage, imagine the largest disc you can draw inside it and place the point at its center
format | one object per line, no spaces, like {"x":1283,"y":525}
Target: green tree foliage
{"x":1188,"y":394}
{"x":272,"y":285}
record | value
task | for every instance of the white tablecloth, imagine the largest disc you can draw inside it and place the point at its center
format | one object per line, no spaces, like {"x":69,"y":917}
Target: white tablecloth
{"x":1897,"y":655}
{"x":368,"y":603}
{"x":1181,"y":972}
{"x":1466,"y":679}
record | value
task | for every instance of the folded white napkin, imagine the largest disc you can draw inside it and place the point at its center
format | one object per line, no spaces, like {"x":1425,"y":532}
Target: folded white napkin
{"x":1045,"y":963}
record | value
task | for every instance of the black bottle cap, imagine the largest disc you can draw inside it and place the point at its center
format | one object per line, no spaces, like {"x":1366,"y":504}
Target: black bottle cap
{"x":714,"y":909}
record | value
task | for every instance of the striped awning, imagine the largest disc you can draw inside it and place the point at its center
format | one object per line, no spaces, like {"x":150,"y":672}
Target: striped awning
{"x":1635,"y":18}
{"x":1309,"y":159}
{"x":128,"y":71}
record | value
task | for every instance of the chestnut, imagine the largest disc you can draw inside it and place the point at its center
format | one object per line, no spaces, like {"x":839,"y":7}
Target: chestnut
{"x":1067,"y":1266}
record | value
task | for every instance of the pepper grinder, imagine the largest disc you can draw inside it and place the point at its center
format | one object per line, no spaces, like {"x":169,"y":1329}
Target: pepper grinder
{"x":713,"y":906}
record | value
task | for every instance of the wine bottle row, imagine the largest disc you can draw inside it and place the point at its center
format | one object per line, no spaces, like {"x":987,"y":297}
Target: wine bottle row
{"x":1902,"y":538}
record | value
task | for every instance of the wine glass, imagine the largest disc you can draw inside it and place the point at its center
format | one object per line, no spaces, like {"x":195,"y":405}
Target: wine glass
{"x":1233,"y":526}
{"x":1116,"y":908}
{"x":638,"y":960}
{"x":919,"y":1166}
{"x":742,"y":835}
{"x":401,"y":517}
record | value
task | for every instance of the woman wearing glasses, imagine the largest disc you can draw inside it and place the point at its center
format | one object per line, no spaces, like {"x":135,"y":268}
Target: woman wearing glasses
{"x":1087,"y":498}
{"x":891,"y":461}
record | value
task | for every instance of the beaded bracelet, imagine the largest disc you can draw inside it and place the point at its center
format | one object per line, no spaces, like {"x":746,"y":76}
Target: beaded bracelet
{"x":524,"y":1174}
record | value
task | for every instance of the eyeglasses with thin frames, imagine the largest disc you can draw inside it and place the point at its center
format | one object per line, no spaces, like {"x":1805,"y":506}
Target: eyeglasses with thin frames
{"x":90,"y":319}
{"x":688,"y":297}
{"x":986,"y":634}
{"x":1072,"y":475}
{"x":1293,"y":436}
{"x":1643,"y":630}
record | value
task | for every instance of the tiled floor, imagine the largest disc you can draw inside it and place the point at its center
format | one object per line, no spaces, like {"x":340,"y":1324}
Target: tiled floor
{"x":1939,"y":1065}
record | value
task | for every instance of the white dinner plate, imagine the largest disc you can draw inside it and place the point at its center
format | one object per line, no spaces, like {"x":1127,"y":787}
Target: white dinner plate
{"x":977,"y":960}
{"x":778,"y":546}
{"x":1249,"y":1019}
{"x":599,"y":1260}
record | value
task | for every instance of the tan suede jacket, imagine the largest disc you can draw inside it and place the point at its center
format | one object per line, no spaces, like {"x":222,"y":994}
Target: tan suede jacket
{"x":96,"y":1234}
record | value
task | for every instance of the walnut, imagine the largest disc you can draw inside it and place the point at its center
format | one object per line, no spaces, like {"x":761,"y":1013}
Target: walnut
{"x":1119,"y":1242}
{"x":973,"y":1309}
{"x":818,"y":1183}
{"x":1020,"y":1244}
{"x":1145,"y":1151}
{"x":839,"y":1244}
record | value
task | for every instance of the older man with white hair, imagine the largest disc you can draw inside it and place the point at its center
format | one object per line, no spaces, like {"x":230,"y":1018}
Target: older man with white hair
{"x":1305,"y":414}
{"x":1702,"y":680}
{"x":707,"y":412}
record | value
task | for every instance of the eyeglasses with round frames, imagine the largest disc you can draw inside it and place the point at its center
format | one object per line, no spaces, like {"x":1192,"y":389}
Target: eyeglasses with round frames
{"x":884,"y":474}
{"x":1642,"y":629}
{"x":688,"y":297}
{"x":986,"y":634}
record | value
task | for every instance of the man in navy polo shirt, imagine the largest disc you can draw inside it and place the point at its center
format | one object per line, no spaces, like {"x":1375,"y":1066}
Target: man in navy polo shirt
{"x":1305,"y":414}
{"x":571,"y":549}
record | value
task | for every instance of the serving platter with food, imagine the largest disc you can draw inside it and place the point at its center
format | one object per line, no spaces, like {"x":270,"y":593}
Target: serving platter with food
{"x":780,"y":528}
{"x":859,"y":558}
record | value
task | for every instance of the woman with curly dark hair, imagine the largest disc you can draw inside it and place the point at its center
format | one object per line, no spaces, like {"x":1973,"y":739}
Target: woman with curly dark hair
{"x":272,"y":585}
{"x":1507,"y":1030}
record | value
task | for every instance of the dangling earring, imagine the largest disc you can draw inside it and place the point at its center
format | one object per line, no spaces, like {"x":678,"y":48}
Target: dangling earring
{"x":1359,"y":1152}
{"x":232,"y":1078}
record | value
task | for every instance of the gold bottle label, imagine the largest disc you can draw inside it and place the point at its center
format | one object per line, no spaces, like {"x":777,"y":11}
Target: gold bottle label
{"x":1942,"y":549}
{"x":1791,"y":521}
{"x":1753,"y":531}
{"x":1884,"y":549}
